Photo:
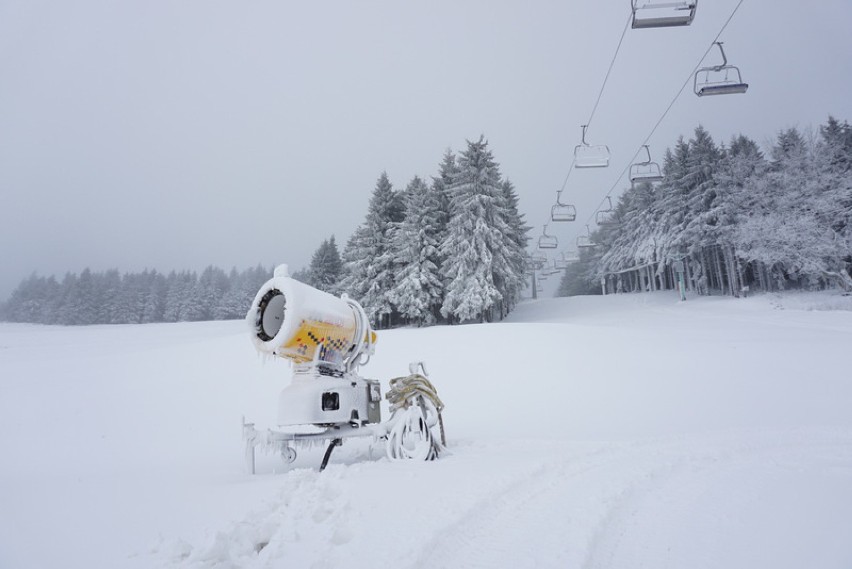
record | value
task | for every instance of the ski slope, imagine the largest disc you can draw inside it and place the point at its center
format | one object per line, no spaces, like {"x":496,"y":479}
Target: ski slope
{"x":588,"y":432}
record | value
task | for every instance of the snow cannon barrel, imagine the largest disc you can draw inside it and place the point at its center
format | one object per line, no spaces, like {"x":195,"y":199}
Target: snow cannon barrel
{"x":292,"y":320}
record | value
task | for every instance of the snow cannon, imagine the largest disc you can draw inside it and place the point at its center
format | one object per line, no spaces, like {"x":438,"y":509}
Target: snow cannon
{"x":327,"y":338}
{"x":292,"y":320}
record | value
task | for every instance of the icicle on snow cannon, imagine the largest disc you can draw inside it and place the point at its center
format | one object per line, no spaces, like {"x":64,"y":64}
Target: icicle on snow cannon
{"x":327,"y":339}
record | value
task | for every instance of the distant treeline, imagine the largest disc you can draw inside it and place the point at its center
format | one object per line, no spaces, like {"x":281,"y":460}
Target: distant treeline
{"x":134,"y":298}
{"x":452,"y":250}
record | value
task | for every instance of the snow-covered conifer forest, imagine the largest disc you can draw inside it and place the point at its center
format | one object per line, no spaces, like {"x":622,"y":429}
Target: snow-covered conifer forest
{"x":739,"y":218}
{"x":447,"y":251}
{"x":452,"y":249}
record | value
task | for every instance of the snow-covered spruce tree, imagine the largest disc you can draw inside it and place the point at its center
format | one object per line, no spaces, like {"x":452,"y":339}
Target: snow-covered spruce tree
{"x":512,"y":279}
{"x":155,"y":298}
{"x":370,"y":267}
{"x":415,"y":248}
{"x":834,"y":162}
{"x":326,"y":267}
{"x":211,"y":287}
{"x":79,"y":303}
{"x":356,"y":265}
{"x":741,"y":166}
{"x":834,"y":148}
{"x":35,"y":299}
{"x":673,"y":196}
{"x":180,"y":288}
{"x":708,"y":229}
{"x":115,"y":302}
{"x":447,"y":171}
{"x":477,"y":243}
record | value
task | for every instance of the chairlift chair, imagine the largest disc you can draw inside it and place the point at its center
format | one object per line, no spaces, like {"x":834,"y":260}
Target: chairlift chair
{"x":552,"y":269}
{"x":607,"y":217}
{"x":561,"y":211}
{"x":539,"y":260}
{"x":590,"y":156}
{"x":546,"y":241}
{"x":585,"y":241}
{"x":560,"y":263}
{"x":646,"y":171}
{"x":662,"y":14}
{"x":721,"y":79}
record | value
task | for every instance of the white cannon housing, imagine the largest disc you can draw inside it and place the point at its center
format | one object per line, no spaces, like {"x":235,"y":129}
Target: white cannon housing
{"x":332,"y":401}
{"x":292,"y":320}
{"x":327,"y":338}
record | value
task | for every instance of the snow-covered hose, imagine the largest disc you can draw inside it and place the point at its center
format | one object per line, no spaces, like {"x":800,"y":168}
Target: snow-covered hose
{"x":415,"y":408}
{"x":409,"y":436}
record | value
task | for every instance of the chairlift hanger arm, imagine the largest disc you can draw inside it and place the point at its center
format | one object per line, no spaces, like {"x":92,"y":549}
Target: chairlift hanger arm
{"x":724,"y":57}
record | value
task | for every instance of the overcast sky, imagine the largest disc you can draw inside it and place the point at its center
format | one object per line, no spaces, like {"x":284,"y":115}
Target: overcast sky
{"x":177,"y":134}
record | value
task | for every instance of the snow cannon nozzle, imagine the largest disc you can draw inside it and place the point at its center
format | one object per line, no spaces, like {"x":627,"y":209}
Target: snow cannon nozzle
{"x":270,"y":314}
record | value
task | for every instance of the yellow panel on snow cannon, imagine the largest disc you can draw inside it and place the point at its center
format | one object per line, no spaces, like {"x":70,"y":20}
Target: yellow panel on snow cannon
{"x":292,"y":320}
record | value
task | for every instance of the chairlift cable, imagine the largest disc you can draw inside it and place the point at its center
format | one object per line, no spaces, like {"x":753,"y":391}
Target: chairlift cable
{"x":565,"y":182}
{"x":666,"y":112}
{"x":608,"y":71}
{"x":600,"y":95}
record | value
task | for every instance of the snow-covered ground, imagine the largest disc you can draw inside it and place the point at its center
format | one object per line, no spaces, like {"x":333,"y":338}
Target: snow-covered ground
{"x":621,"y":431}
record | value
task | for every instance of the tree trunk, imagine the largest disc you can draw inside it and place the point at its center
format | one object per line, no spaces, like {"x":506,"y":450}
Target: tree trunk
{"x":687,"y":273}
{"x":720,"y":280}
{"x":741,"y":270}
